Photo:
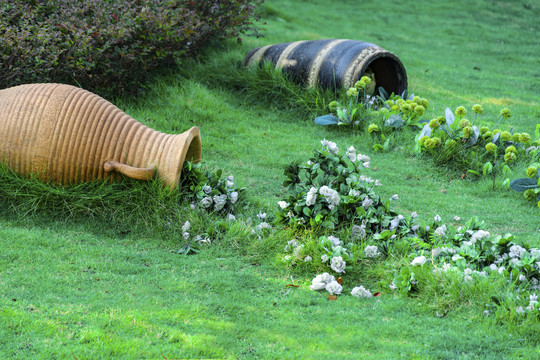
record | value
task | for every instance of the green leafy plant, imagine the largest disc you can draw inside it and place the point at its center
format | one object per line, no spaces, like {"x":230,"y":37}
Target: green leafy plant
{"x":479,"y":151}
{"x":210,"y":191}
{"x":353,"y":114}
{"x":530,"y":185}
{"x":329,"y":191}
{"x":109,"y":46}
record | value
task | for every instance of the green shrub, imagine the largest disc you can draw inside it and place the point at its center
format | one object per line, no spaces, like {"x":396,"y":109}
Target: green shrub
{"x":109,"y":46}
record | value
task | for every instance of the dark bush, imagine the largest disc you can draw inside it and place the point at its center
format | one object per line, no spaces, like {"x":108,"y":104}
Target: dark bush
{"x":109,"y":46}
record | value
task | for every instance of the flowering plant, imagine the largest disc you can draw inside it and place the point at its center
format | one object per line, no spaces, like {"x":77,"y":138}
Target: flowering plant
{"x":358,"y":98}
{"x":477,"y":150}
{"x":530,"y":186}
{"x":210,"y":191}
{"x":330,"y":191}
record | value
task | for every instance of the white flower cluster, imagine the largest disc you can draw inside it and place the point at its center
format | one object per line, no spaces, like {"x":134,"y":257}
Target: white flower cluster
{"x":360,"y":291}
{"x":311,"y":197}
{"x":331,"y":196}
{"x":283,"y":204}
{"x":199,"y":238}
{"x":359,"y":231}
{"x":327,"y":282}
{"x":419,"y":261}
{"x":338,"y":264}
{"x":440,"y":231}
{"x":331,"y":146}
{"x":369,"y":180}
{"x":371,"y":251}
{"x":533,"y":300}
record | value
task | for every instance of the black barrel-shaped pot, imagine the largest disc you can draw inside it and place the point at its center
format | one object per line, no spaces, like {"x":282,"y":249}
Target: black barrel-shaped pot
{"x":333,"y":63}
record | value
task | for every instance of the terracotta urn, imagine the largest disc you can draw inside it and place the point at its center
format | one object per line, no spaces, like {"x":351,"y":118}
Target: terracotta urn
{"x":65,"y":134}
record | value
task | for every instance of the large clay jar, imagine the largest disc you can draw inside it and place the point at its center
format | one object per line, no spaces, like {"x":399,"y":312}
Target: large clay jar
{"x":333,"y":63}
{"x":65,"y":134}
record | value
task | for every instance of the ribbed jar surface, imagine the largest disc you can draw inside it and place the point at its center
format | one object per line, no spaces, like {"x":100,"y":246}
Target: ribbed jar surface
{"x":333,"y":63}
{"x":66,"y":134}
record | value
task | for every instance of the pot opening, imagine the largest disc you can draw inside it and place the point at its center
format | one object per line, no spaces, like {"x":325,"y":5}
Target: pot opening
{"x":389,"y":74}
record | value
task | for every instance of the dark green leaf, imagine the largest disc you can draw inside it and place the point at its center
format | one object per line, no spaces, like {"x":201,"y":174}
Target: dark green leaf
{"x":523,"y":184}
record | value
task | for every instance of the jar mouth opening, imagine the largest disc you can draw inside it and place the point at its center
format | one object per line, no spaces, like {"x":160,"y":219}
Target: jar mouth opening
{"x":388,"y":71}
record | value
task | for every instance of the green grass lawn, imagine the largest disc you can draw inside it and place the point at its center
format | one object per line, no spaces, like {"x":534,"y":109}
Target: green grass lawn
{"x":110,"y":284}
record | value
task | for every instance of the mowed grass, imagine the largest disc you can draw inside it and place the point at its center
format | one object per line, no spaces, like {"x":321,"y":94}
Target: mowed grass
{"x":101,"y":285}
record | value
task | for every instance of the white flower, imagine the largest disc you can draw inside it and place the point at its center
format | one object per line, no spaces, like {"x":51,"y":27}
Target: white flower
{"x":291,"y":244}
{"x":493,"y":267}
{"x":186,"y":226}
{"x":334,"y":288}
{"x":185,"y":235}
{"x":354,"y":192}
{"x":501,"y":269}
{"x":287,"y":258}
{"x":283,"y":204}
{"x":263,"y":225}
{"x":419,"y":261}
{"x":468,"y":278}
{"x":359,"y":232}
{"x":311,"y":197}
{"x":261,"y":216}
{"x":231,"y":217}
{"x":457,"y":218}
{"x":335,"y":241}
{"x":392,"y":286}
{"x":337,"y":264}
{"x":234,"y":197}
{"x":207,"y":189}
{"x":206,"y":202}
{"x":414,"y":215}
{"x":202,"y":240}
{"x":479,"y":235}
{"x":360,"y":291}
{"x":520,"y":310}
{"x":363,"y":158}
{"x":320,"y":281}
{"x":192,"y":206}
{"x":367,"y":203}
{"x":437,"y":218}
{"x":351,"y":153}
{"x":331,"y":146}
{"x":415,"y":228}
{"x":535,"y":253}
{"x":230,"y":181}
{"x":367,"y":164}
{"x":394,"y":197}
{"x":378,"y":183}
{"x":440,"y":231}
{"x":308,"y":258}
{"x":522,"y":277}
{"x":395,"y":222}
{"x":467,"y":271}
{"x":371,"y":251}
{"x":219,"y":201}
{"x":533,"y":298}
{"x":516,"y":251}
{"x":331,"y":196}
{"x":456,"y":257}
{"x":324,"y":258}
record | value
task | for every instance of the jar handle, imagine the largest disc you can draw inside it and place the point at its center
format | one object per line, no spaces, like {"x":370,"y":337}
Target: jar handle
{"x":129,"y":171}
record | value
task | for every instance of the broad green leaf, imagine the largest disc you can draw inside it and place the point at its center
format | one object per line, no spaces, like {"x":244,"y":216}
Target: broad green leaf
{"x":523,"y":184}
{"x":326,"y":120}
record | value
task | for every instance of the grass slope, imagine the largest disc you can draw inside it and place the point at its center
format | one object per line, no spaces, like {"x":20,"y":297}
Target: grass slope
{"x":104,"y":285}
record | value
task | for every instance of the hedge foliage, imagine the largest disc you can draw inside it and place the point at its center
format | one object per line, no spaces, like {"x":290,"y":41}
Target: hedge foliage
{"x":110,"y":46}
